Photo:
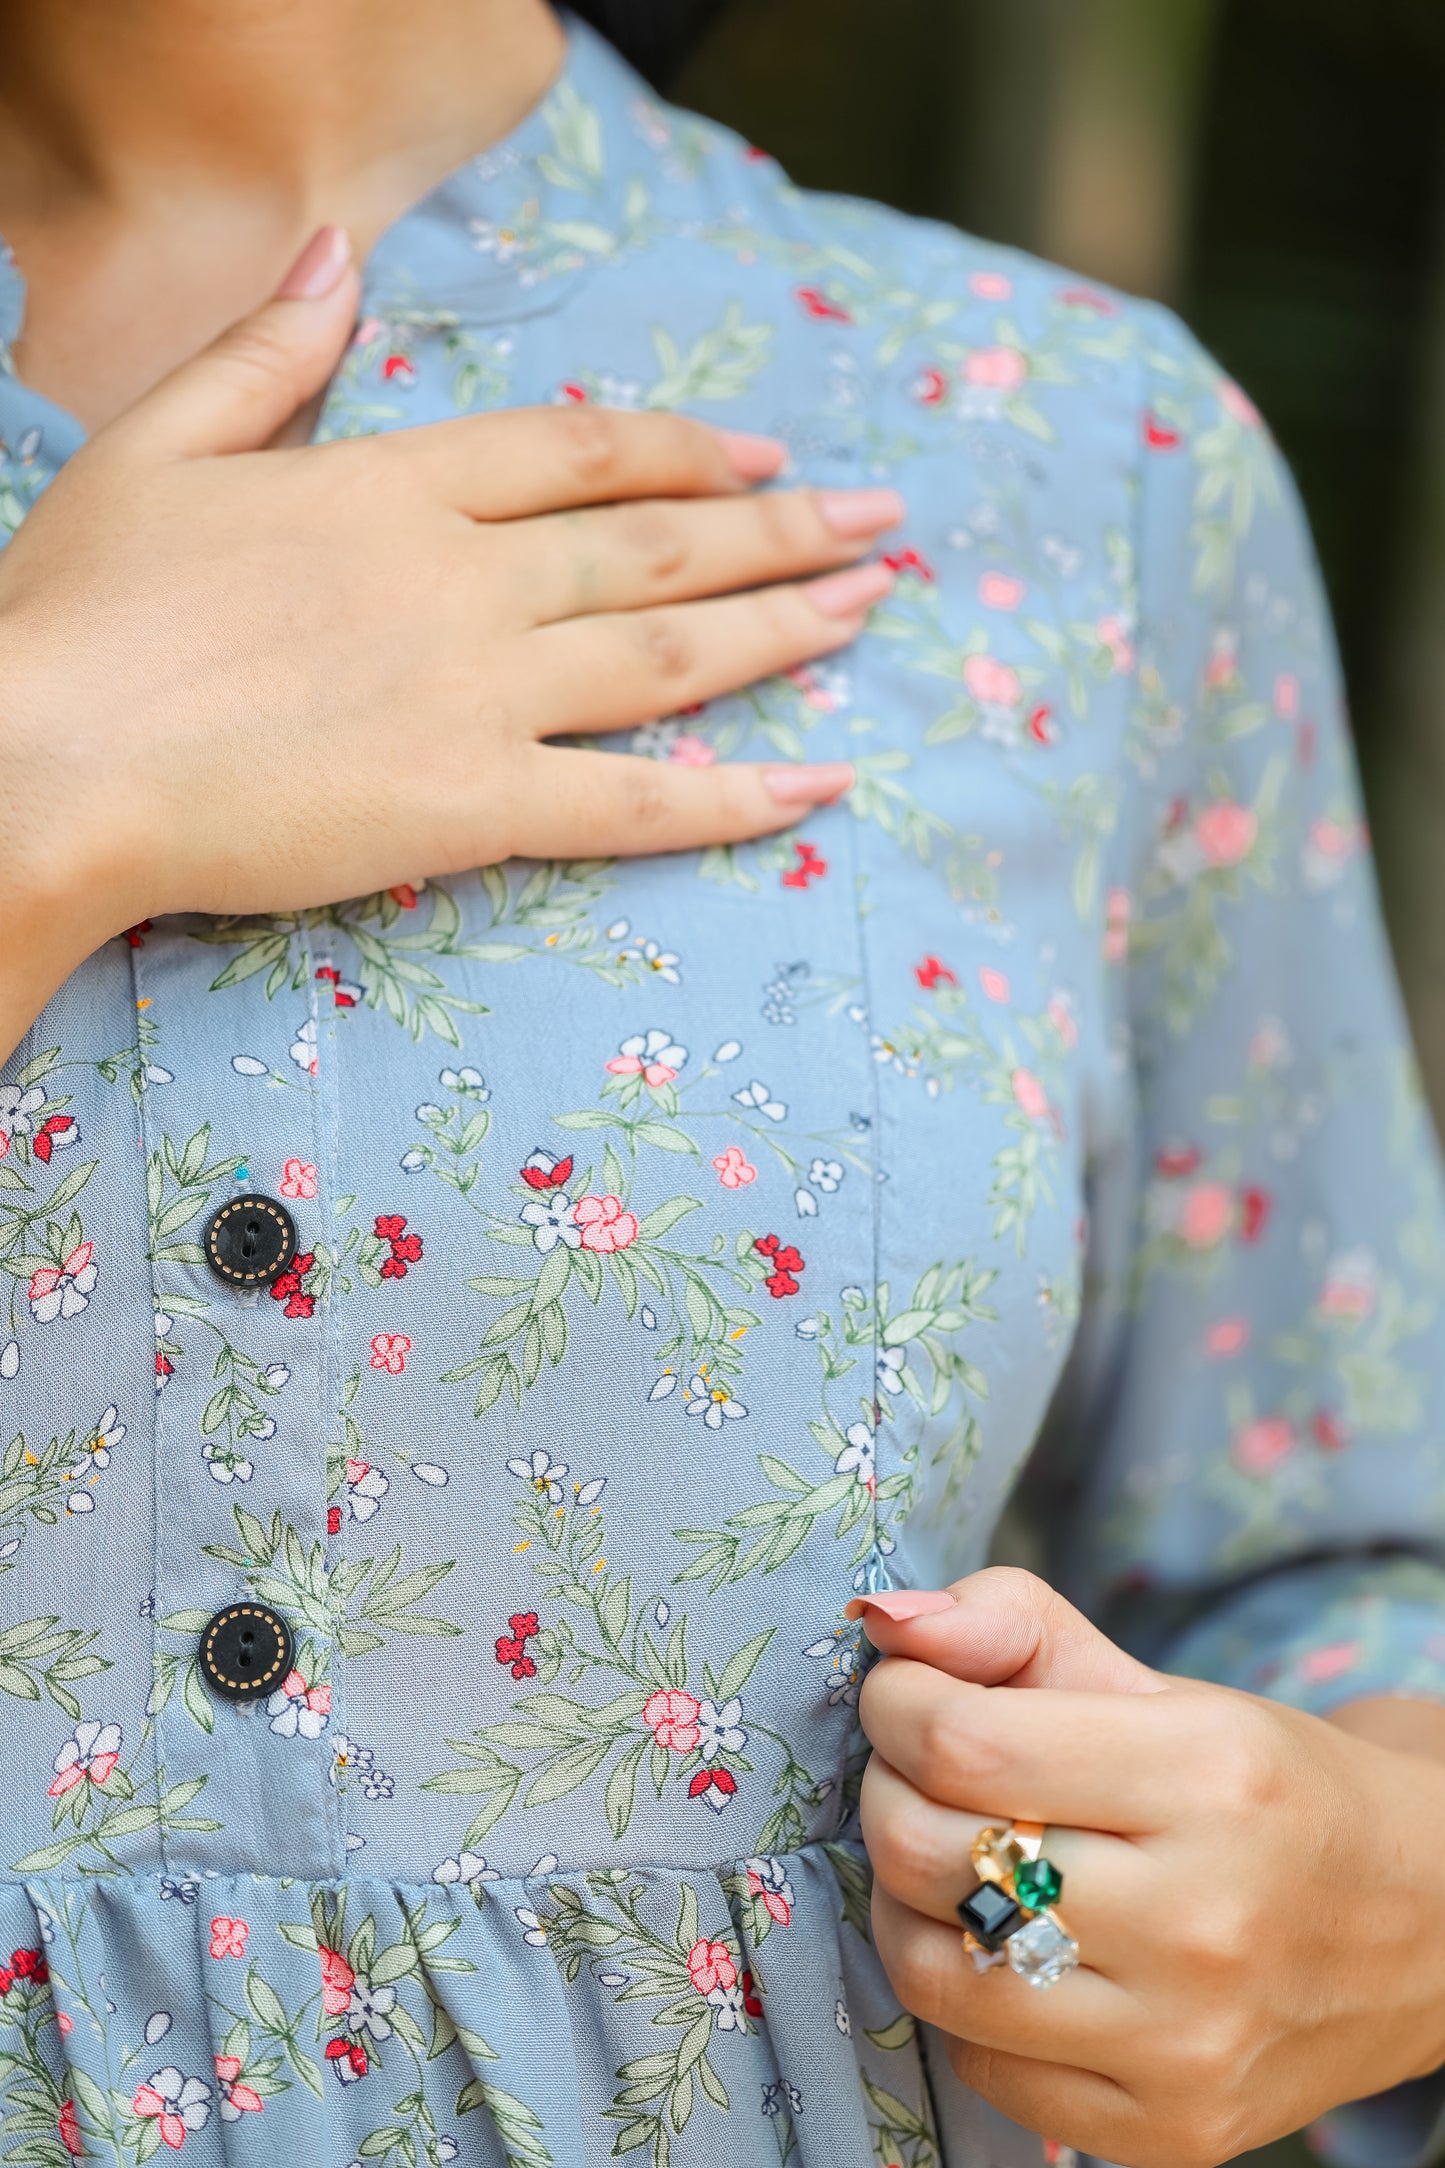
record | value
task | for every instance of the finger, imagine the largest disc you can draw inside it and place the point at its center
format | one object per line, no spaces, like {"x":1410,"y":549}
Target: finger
{"x":1122,"y":1762}
{"x":531,"y":460}
{"x":1078,"y":2108}
{"x":610,"y":805}
{"x":1004,"y":1627}
{"x":632,"y":556}
{"x":920,"y":1855}
{"x":238,"y":392}
{"x":613,"y":672}
{"x":1084,"y":2020}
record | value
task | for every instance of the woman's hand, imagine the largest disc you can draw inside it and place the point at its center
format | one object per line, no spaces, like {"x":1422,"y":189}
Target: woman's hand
{"x":248,"y":679}
{"x":1258,"y":1897}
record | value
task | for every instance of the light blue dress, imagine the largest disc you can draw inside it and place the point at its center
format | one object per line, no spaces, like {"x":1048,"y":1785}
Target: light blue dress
{"x":687,"y":1244}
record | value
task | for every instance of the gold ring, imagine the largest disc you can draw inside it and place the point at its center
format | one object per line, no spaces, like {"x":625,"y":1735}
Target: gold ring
{"x":1011,"y":1913}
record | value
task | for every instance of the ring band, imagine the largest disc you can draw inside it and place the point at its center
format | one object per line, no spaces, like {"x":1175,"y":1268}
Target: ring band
{"x":1011,"y":1913}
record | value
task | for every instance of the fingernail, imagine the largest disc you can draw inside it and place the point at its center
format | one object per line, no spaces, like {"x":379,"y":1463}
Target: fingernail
{"x":844,"y":594}
{"x":318,"y":268}
{"x":809,"y":785}
{"x":753,"y":458}
{"x":860,"y":511}
{"x":901,"y":1603}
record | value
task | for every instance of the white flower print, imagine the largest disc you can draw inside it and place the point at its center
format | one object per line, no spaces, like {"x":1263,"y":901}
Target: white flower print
{"x":805,"y":1203}
{"x":180,"y":2104}
{"x":663,"y":962}
{"x":728,"y":1051}
{"x":63,"y":1290}
{"x":297,"y":1710}
{"x":533,"y":1932}
{"x":826,"y":1174}
{"x":370,"y":2007}
{"x":92,"y":1751}
{"x":889,"y":1368}
{"x":650,"y":1055}
{"x":720,"y":1730}
{"x":543,"y":1473}
{"x":466,"y":1868}
{"x":470,"y":1081}
{"x":225,"y":1464}
{"x":728,"y":2003}
{"x":550,"y":1219}
{"x":109,"y":1433}
{"x":16,"y":1109}
{"x":303,"y":1047}
{"x":758,"y":1096}
{"x":712,"y":1402}
{"x":857,"y":1454}
{"x":841,"y":2018}
{"x":365,"y":1488}
{"x":346,"y":1757}
{"x":9,"y":1358}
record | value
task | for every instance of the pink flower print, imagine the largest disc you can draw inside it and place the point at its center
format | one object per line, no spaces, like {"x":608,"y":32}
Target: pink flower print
{"x":1262,"y":1444}
{"x":732,"y":1168}
{"x":63,"y":1290}
{"x":605,"y":1225}
{"x":990,"y":285}
{"x":1286,"y":696}
{"x":389,"y":1351}
{"x":365,"y":1488}
{"x":1000,"y":591}
{"x":671,"y":1716}
{"x":236,"y":2099}
{"x":710,"y":1965}
{"x":818,"y":305}
{"x":650,"y":1055}
{"x":298,"y":1179}
{"x":297,"y":1710}
{"x":996,"y":368}
{"x":1118,"y":910}
{"x":1060,"y":1013}
{"x":180,"y":2104}
{"x":1205,"y":1215}
{"x":930,"y":387}
{"x":1227,"y":1336}
{"x":1238,"y":405}
{"x":337,"y":1981}
{"x":994,"y":983}
{"x":1088,"y":297}
{"x":768,"y":1879}
{"x":1113,"y":636}
{"x":1349,"y":1290}
{"x":687,"y":751}
{"x":1226,"y":833}
{"x":992,"y":684}
{"x":1330,"y":1662}
{"x":1159,"y":436}
{"x":1030,"y":1095}
{"x":88,"y":1756}
{"x":228,"y":1936}
{"x":68,"y":2125}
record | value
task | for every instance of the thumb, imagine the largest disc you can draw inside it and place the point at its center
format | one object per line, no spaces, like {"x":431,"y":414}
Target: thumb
{"x":236,"y":393}
{"x":1002,"y":1627}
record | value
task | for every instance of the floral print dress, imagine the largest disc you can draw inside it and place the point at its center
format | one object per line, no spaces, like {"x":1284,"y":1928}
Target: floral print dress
{"x":690,"y":1243}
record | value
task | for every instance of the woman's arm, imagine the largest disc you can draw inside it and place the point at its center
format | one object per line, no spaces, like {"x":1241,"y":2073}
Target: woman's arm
{"x":239,"y":679}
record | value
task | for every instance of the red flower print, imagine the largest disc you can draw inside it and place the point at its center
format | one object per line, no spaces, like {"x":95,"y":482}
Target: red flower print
{"x":542,"y":1171}
{"x":405,"y":893}
{"x":671,"y":1716}
{"x":55,"y":1129}
{"x":165,"y":1368}
{"x":343,"y":991}
{"x":347,"y":2058}
{"x":931,"y":973}
{"x":287,"y":1288}
{"x":7,"y":1979}
{"x":710,"y":1965}
{"x":785,"y":1262}
{"x":236,"y":2099}
{"x":1328,"y":1431}
{"x":298,"y":1179}
{"x":398,"y":369}
{"x":30,"y":1965}
{"x":818,"y":305}
{"x":136,"y":934}
{"x":752,"y":2002}
{"x":513,"y":1650}
{"x":1041,"y":726}
{"x":1254,"y":1211}
{"x":1159,"y":437}
{"x":228,"y":1937}
{"x":337,"y":1981}
{"x":68,"y":2125}
{"x":930,"y":387}
{"x":406,"y":1249}
{"x":810,"y":867}
{"x":1084,"y":297}
{"x":716,"y":1786}
{"x":389,"y":1351}
{"x":910,"y":560}
{"x":524,"y":1624}
{"x":1176,"y":1159}
{"x":604,"y":1224}
{"x":333,"y":1520}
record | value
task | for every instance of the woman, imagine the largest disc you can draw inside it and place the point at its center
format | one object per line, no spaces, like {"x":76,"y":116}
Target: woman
{"x":571,"y":1288}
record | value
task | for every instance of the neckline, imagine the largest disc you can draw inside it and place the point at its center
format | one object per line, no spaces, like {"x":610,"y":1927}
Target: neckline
{"x":439,"y":254}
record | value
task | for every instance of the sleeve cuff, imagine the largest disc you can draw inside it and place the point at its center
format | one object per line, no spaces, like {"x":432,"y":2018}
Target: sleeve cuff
{"x":1316,"y":1636}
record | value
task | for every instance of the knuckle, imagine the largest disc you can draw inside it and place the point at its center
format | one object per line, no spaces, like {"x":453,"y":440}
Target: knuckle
{"x":591,"y":443}
{"x":650,"y":806}
{"x":656,"y":540}
{"x":953,"y":1758}
{"x":1216,"y":1935}
{"x":668,"y":652}
{"x":788,"y":522}
{"x":255,"y":353}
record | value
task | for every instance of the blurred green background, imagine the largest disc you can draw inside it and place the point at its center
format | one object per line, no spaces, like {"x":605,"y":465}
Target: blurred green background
{"x":1274,"y":169}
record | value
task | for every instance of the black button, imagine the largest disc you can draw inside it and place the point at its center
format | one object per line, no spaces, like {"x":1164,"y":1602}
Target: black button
{"x":990,"y":1915}
{"x":245,"y":1652}
{"x":250,"y":1241}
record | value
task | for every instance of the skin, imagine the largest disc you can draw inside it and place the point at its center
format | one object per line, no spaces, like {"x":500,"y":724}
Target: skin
{"x":202,"y":600}
{"x":199,"y":602}
{"x":1256,"y":1893}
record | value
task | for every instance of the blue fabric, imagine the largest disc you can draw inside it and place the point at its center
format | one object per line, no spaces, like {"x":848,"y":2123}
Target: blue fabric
{"x":688,"y":1243}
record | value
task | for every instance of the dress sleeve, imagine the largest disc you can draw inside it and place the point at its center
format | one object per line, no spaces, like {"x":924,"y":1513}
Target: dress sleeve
{"x":1244,"y":1476}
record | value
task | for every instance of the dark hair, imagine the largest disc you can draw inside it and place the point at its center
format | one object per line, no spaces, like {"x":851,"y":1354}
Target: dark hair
{"x":655,"y":35}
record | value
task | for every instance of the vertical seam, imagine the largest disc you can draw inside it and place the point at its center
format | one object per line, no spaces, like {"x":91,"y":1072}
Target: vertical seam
{"x":147,"y":1143}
